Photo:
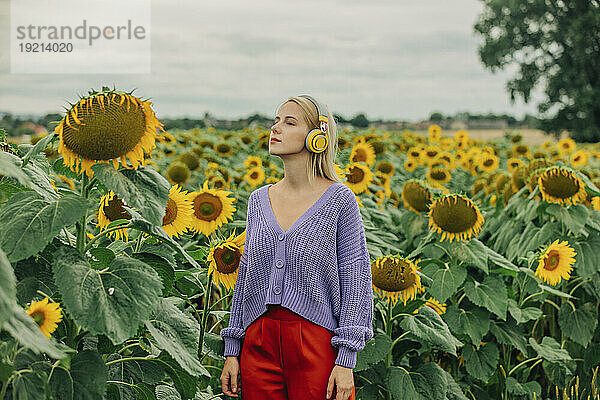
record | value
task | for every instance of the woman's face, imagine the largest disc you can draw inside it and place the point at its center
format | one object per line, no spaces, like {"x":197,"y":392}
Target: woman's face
{"x":290,"y":129}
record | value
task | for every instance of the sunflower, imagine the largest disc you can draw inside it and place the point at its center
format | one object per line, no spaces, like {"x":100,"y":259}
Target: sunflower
{"x":488,"y":162}
{"x":211,"y":209}
{"x":385,"y":167}
{"x":434,"y":133}
{"x":224,"y":149}
{"x":447,"y":144}
{"x":561,"y":185}
{"x":415,"y":153}
{"x":513,"y":163}
{"x":416,"y":196}
{"x":556,"y":262}
{"x":252,"y":161}
{"x":224,"y":260}
{"x":435,"y":305}
{"x":190,"y":159}
{"x":396,"y":278}
{"x":410,"y":165}
{"x":111,"y":209}
{"x":430,"y":153}
{"x":178,"y":173}
{"x":46,"y":315}
{"x":519,"y":177}
{"x":520,"y":150}
{"x":439,"y":175}
{"x":358,"y":177}
{"x":478,"y":186}
{"x":455,"y":217}
{"x":178,"y":213}
{"x":580,"y":158}
{"x":461,"y":136}
{"x":566,"y":146}
{"x":255,"y":176}
{"x":106,"y":127}
{"x":596,"y":203}
{"x":363,"y":152}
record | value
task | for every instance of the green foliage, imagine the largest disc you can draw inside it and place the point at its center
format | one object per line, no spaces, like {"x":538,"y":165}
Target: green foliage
{"x":554,"y":44}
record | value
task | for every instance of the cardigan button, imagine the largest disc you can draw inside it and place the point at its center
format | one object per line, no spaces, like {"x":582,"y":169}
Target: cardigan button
{"x":281,"y":236}
{"x":277,"y":290}
{"x":279,"y":263}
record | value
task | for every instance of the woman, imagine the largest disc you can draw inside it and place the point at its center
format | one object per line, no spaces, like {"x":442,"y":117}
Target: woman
{"x":303,"y":302}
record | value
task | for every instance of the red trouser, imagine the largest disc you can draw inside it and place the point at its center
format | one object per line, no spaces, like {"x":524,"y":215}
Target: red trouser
{"x":285,"y":356}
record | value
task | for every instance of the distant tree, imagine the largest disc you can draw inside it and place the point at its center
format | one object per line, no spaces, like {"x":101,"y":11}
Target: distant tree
{"x":339,"y":118}
{"x":556,"y":45}
{"x":360,"y":121}
{"x":436,"y":116}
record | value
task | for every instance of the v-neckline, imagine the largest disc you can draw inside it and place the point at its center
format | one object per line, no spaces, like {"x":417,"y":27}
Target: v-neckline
{"x":307,"y":214}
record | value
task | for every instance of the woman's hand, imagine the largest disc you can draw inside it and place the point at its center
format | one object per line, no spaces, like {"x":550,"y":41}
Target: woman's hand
{"x":229,"y":376}
{"x":343,"y":379}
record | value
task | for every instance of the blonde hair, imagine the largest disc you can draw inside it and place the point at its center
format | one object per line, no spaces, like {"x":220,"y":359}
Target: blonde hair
{"x":319,"y":164}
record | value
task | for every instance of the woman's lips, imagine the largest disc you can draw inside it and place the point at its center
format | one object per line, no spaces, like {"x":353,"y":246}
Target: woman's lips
{"x":275,"y":140}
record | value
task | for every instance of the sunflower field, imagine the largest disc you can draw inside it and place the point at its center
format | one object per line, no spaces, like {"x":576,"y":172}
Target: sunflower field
{"x":120,"y":244}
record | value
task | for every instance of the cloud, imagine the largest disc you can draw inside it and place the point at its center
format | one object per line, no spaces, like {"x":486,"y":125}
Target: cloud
{"x":389,"y":59}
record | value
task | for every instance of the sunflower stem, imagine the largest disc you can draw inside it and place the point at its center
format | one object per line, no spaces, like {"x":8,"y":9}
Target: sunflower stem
{"x":82,"y":222}
{"x":103,"y":233}
{"x":204,"y":314}
{"x":388,"y":331}
{"x":138,"y":242}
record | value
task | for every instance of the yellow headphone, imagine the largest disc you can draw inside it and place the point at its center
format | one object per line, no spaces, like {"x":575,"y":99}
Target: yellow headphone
{"x":317,"y":139}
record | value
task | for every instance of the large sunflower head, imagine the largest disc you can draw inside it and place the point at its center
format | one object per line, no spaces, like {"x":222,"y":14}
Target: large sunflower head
{"x":556,"y":262}
{"x":104,"y":127}
{"x":224,"y":260}
{"x":455,"y":217}
{"x":211,"y":209}
{"x":561,"y":185}
{"x":111,"y":209}
{"x":416,"y":196}
{"x":178,"y":213}
{"x":396,"y":278}
{"x":46,"y":315}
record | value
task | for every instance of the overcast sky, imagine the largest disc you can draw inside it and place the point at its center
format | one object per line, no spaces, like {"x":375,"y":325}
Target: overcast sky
{"x":391,"y":59}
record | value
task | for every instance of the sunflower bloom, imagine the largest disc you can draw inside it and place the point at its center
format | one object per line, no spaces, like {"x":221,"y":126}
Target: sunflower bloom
{"x":224,"y":260}
{"x":107,"y":127}
{"x":562,"y":186}
{"x":178,"y":214}
{"x":396,"y":278}
{"x":416,"y":196}
{"x":455,"y":217}
{"x":556,"y":262}
{"x":434,"y":305}
{"x":111,"y":209}
{"x":212,"y":208}
{"x":46,"y":315}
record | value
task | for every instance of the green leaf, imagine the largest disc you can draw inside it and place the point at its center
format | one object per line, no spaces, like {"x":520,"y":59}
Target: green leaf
{"x":472,"y":252}
{"x":446,"y":281}
{"x":178,"y":334}
{"x":574,"y":217}
{"x":24,"y":329}
{"x":30,"y":386}
{"x":186,"y":384}
{"x":61,"y":383}
{"x":8,"y":288}
{"x":587,"y":259}
{"x":525,"y":389}
{"x":578,"y":324}
{"x":10,"y":165}
{"x":474,"y":323}
{"x":38,"y":147}
{"x":163,"y":267}
{"x":550,"y":350}
{"x":430,"y":381}
{"x":491,"y":294}
{"x":113,"y":301}
{"x":374,"y":351}
{"x":397,"y":380}
{"x":88,"y":371}
{"x":159,"y":233}
{"x":28,"y":222}
{"x":453,"y":391}
{"x":500,"y":260}
{"x":429,"y":326}
{"x":101,"y":257}
{"x":510,"y":334}
{"x":164,"y":392}
{"x":481,"y":363}
{"x":142,"y":188}
{"x":522,"y":315}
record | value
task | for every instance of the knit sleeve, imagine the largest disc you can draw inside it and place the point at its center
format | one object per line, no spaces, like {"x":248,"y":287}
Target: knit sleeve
{"x":354,"y":269}
{"x":233,"y":334}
